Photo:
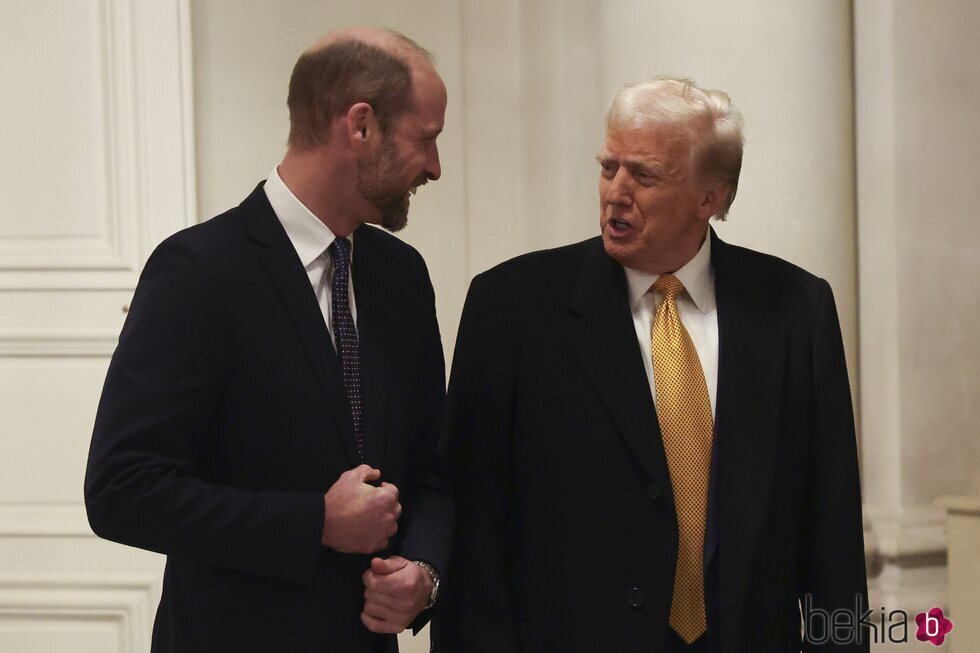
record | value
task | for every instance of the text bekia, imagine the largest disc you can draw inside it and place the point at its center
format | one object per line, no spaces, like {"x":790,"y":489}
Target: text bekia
{"x":843,"y":626}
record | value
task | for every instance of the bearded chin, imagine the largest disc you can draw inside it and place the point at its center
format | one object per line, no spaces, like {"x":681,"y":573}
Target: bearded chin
{"x":394,"y":218}
{"x":372,"y":182}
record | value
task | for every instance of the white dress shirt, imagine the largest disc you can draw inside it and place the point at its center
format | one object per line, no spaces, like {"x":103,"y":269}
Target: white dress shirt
{"x":696,"y":309}
{"x":310,"y":238}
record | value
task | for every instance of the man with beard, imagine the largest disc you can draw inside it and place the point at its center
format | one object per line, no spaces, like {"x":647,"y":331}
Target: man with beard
{"x":650,"y":432}
{"x":270,"y":416}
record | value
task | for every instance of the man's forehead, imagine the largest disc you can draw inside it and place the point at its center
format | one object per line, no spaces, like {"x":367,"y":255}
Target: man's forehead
{"x":426,"y":115}
{"x":652,"y":143}
{"x":426,"y":80}
{"x":625,"y":152}
{"x":420,"y":124}
{"x":429,"y":96}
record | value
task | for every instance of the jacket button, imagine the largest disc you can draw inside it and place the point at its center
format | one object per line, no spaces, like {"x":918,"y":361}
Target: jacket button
{"x":653,"y":491}
{"x":635,"y":597}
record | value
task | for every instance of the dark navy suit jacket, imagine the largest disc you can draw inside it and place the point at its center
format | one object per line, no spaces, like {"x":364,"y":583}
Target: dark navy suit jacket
{"x":223,"y":422}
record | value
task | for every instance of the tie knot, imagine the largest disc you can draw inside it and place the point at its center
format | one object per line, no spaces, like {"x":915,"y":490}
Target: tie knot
{"x":668,"y":285}
{"x":340,"y":252}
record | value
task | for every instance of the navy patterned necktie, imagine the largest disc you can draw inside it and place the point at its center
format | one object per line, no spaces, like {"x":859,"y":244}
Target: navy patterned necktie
{"x":345,"y":337}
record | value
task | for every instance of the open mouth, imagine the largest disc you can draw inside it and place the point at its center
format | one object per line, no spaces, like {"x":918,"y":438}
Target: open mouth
{"x":618,"y":225}
{"x":409,"y":194}
{"x":414,"y":188}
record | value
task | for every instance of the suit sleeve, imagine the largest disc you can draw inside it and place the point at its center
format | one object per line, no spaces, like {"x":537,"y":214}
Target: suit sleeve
{"x":427,"y":522}
{"x":154,"y":433}
{"x":476,"y":613}
{"x":832,"y":571}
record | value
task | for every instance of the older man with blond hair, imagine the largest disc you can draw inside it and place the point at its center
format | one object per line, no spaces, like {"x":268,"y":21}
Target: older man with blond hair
{"x":650,"y":431}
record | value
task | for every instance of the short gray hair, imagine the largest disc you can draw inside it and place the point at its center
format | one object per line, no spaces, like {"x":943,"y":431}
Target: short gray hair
{"x":707,"y":118}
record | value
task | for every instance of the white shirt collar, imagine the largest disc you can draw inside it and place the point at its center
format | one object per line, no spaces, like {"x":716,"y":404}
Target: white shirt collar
{"x":695,"y":275}
{"x":309,"y":236}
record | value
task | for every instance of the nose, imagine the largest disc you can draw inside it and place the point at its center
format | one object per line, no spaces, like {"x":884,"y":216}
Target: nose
{"x":618,"y":189}
{"x":433,"y":170}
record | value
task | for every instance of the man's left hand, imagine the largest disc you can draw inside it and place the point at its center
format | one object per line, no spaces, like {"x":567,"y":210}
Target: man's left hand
{"x":395,"y":592}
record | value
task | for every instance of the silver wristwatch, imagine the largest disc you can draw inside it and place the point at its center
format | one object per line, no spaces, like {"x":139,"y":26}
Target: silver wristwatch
{"x":435,"y":582}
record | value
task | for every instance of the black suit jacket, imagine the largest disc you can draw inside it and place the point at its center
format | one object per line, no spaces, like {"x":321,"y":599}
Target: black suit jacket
{"x":223,"y":422}
{"x":566,"y":535}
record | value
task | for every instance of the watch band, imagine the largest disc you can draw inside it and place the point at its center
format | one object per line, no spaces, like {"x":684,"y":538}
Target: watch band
{"x":434,"y":575}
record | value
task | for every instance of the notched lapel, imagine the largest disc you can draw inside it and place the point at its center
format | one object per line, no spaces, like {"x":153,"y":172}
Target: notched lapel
{"x":751,"y":365}
{"x":602,"y":336}
{"x":280,"y":262}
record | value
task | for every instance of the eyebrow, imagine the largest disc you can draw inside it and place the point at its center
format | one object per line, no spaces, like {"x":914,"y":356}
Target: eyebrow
{"x":647,"y":162}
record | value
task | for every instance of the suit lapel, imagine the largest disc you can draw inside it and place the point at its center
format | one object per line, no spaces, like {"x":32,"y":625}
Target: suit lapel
{"x":751,"y":361}
{"x":369,"y":294}
{"x":293,"y":286}
{"x":603,"y":338}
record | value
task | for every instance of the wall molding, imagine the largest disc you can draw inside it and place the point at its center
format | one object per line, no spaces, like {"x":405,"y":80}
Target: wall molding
{"x":127,"y":603}
{"x":111,"y":247}
{"x":909,"y":534}
{"x":906,"y":552}
{"x":912,"y":596}
{"x":44,"y":520}
{"x":58,"y":345}
{"x":145,"y":69}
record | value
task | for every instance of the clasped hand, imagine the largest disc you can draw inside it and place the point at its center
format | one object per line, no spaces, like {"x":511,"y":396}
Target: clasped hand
{"x":395,"y":592}
{"x":359,"y":517}
{"x":362,"y":518}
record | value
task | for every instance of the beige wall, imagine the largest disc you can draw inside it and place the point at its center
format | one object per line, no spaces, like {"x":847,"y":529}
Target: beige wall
{"x":937,"y":93}
{"x":918,"y":153}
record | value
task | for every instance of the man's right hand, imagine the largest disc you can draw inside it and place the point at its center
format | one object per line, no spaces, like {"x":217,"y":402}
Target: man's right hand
{"x":359,"y":517}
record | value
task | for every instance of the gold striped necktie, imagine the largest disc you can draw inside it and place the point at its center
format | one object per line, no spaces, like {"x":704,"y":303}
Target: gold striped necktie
{"x":684,"y":412}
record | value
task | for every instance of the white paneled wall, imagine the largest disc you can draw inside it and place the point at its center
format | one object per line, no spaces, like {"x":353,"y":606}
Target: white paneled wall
{"x":98,"y":168}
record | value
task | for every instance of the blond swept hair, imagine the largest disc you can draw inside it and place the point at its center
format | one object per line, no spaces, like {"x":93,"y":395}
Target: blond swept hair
{"x":705,"y":117}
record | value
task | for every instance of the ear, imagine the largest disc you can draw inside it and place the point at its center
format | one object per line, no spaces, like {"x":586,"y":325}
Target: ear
{"x":713,"y":197}
{"x":361,"y":125}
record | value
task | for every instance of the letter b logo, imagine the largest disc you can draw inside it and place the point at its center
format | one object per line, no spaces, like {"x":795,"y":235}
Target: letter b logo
{"x":933,"y":626}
